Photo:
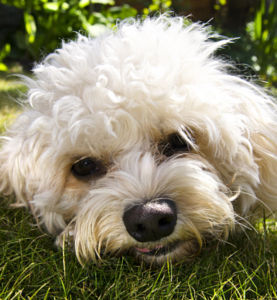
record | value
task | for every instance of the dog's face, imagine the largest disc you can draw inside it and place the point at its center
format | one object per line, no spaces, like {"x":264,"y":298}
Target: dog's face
{"x":136,"y":142}
{"x":152,"y":194}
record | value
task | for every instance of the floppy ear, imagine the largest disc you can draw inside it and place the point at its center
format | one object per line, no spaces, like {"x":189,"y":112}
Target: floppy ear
{"x":26,"y":168}
{"x":18,"y":154}
{"x":13,"y":165}
{"x":5,"y":183}
{"x":11,"y":176}
{"x":262,"y":113}
{"x":265,"y":152}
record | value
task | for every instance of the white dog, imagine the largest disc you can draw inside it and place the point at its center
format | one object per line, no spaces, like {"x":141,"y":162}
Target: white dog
{"x":139,"y":141}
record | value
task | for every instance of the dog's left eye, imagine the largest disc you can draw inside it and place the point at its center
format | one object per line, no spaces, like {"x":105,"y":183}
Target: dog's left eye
{"x":175,"y":144}
{"x":88,"y":167}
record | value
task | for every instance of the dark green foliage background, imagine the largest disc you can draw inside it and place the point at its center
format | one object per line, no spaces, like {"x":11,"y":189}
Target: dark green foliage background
{"x":43,"y":24}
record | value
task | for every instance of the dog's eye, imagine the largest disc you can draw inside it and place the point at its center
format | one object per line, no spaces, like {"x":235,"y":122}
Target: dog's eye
{"x":175,"y":144}
{"x":87,"y":168}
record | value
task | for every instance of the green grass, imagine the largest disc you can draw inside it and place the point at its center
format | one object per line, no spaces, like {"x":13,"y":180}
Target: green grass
{"x":32,"y":268}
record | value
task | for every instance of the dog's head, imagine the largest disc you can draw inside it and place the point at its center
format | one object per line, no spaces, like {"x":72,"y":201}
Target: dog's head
{"x":140,"y":141}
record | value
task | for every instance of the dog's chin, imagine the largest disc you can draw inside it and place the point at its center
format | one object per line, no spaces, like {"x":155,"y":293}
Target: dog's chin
{"x":159,"y":253}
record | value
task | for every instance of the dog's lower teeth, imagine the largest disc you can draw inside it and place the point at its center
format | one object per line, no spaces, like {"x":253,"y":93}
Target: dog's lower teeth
{"x":147,"y":250}
{"x":158,"y":250}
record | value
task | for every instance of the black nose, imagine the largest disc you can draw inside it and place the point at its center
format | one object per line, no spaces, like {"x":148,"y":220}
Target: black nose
{"x":151,"y":221}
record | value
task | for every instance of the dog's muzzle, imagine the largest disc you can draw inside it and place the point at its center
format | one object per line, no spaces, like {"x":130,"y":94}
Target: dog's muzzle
{"x":151,"y":221}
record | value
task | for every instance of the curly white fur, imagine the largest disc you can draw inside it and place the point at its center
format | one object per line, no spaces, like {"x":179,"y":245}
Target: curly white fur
{"x":115,"y":99}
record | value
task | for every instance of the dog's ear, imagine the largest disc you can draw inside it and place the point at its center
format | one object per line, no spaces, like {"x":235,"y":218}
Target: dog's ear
{"x":265,"y":152}
{"x":5,"y":167}
{"x":261,"y":112}
{"x":18,"y":153}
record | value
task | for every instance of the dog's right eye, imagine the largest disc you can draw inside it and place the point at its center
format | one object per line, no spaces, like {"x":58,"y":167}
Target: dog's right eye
{"x":88,"y":167}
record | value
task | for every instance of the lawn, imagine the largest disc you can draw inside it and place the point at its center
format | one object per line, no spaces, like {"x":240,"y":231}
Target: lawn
{"x":32,"y":268}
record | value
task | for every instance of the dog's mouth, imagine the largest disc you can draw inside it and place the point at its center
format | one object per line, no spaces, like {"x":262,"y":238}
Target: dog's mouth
{"x":178,"y":250}
{"x":158,"y":250}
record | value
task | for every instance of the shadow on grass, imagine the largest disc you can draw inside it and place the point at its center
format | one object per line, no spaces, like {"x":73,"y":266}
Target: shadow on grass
{"x":11,"y":89}
{"x":8,"y":99}
{"x":11,"y":92}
